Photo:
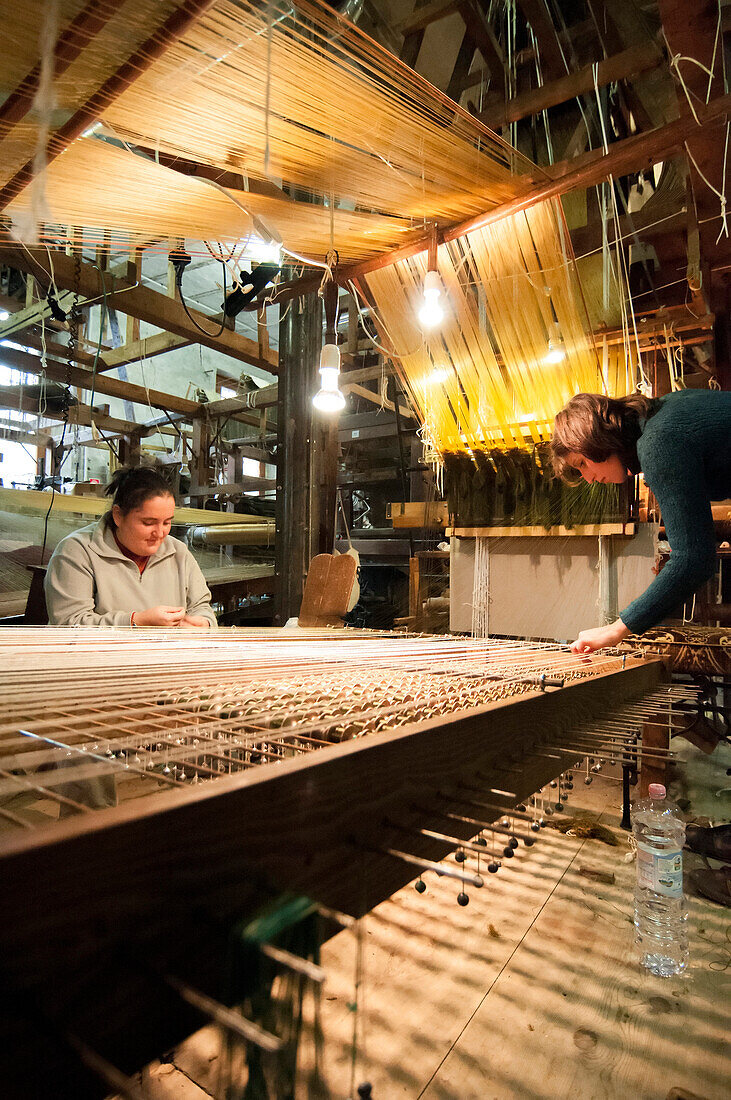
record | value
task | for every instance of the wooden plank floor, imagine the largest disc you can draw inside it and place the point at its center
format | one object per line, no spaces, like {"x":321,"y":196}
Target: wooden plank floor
{"x":531,"y":991}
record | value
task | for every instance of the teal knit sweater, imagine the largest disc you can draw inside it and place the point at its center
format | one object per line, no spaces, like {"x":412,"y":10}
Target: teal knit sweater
{"x":685,"y":456}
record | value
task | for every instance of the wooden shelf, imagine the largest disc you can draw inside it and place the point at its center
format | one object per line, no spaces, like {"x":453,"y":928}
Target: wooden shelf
{"x":417,"y":513}
{"x":587,"y":530}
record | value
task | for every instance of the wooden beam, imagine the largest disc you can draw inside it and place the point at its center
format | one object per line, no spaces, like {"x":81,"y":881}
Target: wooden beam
{"x":695,"y":38}
{"x":546,"y":35}
{"x":589,"y":238}
{"x":12,"y":397}
{"x":146,"y":348}
{"x":138,"y":301}
{"x":102,"y":383}
{"x":245,"y":449}
{"x":245,"y":483}
{"x":426,"y":15}
{"x":582,"y":33}
{"x":608,"y":17}
{"x":33,"y":439}
{"x":366,"y":374}
{"x":484,"y":38}
{"x":375,"y":398}
{"x":54,"y":350}
{"x":624,"y":65}
{"x":630,"y":155}
{"x":228,"y":406}
{"x":114,"y":387}
{"x":410,"y":48}
{"x":461,"y":66}
{"x":33,"y":314}
{"x":233,"y":181}
{"x":33,"y":501}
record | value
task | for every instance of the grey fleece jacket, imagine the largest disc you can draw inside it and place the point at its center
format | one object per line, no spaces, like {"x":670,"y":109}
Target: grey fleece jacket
{"x":89,"y":581}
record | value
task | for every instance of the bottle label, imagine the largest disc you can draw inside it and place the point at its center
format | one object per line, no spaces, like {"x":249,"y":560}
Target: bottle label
{"x":660,"y":871}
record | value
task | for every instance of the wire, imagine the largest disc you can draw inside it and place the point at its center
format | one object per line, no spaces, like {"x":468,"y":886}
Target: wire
{"x":53,"y":494}
{"x":179,"y":281}
{"x":102,"y":322}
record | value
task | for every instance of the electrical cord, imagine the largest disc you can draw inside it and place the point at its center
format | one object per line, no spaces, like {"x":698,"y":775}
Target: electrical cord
{"x":102,"y":322}
{"x":72,"y":345}
{"x":180,"y":260}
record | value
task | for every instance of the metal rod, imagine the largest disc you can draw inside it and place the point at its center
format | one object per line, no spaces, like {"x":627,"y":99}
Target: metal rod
{"x":629,"y":746}
{"x":527,"y":840}
{"x":424,"y":864}
{"x":117,"y":1081}
{"x":226,"y":1017}
{"x":432,"y":834}
{"x":293,"y":962}
{"x":487,"y":805}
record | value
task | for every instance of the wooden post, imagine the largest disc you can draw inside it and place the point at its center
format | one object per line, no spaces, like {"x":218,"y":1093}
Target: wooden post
{"x":300,"y":337}
{"x":326,"y":442}
{"x":45,"y":460}
{"x":655,"y":735}
{"x":414,"y":586}
{"x":135,"y":274}
{"x":200,"y":464}
{"x":353,"y":322}
{"x":262,"y":332}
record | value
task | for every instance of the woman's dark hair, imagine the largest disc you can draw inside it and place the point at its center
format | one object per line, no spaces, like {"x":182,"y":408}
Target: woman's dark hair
{"x":598,"y":427}
{"x":131,"y":486}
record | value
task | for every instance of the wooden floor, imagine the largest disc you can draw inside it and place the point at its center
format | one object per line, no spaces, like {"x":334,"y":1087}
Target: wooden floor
{"x":531,"y":991}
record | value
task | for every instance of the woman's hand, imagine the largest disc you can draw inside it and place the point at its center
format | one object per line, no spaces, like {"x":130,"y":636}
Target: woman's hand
{"x":195,"y":622}
{"x":160,"y":616}
{"x":599,"y":637}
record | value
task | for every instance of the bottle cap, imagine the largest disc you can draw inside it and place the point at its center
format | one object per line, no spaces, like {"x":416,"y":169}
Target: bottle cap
{"x":656,"y":790}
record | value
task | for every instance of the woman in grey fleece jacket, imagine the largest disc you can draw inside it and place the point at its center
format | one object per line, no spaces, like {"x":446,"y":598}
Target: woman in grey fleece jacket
{"x":127,"y":570}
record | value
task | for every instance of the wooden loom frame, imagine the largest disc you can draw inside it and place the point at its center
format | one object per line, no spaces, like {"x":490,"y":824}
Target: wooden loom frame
{"x":95,"y":909}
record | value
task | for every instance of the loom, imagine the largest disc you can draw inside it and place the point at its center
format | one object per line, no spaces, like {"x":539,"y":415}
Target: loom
{"x":250,"y":765}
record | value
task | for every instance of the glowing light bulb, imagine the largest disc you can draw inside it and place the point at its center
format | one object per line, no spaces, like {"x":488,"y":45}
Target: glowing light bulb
{"x":556,"y":346}
{"x":264,"y":252}
{"x":431,"y":313}
{"x":556,"y":353}
{"x":329,"y":399}
{"x":437,"y":376}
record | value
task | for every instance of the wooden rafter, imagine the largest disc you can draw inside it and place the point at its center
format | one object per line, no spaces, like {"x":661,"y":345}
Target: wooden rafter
{"x":100,"y":383}
{"x":694,"y":38}
{"x":613,"y":42}
{"x":14,"y":397}
{"x":624,"y":65}
{"x":130,"y":391}
{"x":549,"y":49}
{"x":424,"y":16}
{"x":484,"y":38}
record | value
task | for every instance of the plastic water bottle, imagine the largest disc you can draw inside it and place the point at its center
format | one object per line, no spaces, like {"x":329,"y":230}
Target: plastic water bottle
{"x":660,"y":914}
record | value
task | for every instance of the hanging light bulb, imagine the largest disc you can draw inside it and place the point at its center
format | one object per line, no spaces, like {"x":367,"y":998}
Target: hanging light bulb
{"x":431,"y":313}
{"x":437,"y":376}
{"x":556,"y":346}
{"x":329,"y":397}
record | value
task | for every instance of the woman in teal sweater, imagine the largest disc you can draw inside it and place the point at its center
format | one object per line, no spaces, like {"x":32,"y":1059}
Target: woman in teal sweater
{"x":681,"y":444}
